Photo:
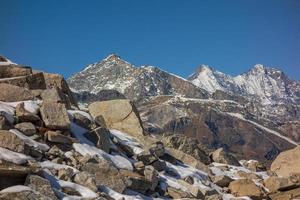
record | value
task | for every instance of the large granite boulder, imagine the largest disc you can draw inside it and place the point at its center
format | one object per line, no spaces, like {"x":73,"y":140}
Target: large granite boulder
{"x":55,"y":115}
{"x":11,"y":93}
{"x":287,"y":162}
{"x":119,"y":114}
{"x":40,"y":185}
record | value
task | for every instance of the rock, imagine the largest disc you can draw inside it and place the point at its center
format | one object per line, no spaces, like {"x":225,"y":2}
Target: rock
{"x":157,"y":149}
{"x":4,"y":123}
{"x":100,"y":137}
{"x":245,"y":187}
{"x":58,"y":82}
{"x":159,"y":165}
{"x":194,"y":190}
{"x":222,"y":180}
{"x":65,"y":174}
{"x":31,"y":82}
{"x":221,"y":156}
{"x":12,"y":174}
{"x":254,"y":165}
{"x":293,"y":194}
{"x":12,"y":142}
{"x":187,"y":145}
{"x":86,"y":179}
{"x":8,"y":93}
{"x":24,"y":116}
{"x":152,"y":176}
{"x":8,"y":71}
{"x":57,"y":137}
{"x":100,"y":121}
{"x":52,"y":95}
{"x":136,"y":182}
{"x":27,"y":128}
{"x":55,"y":115}
{"x":118,"y":114}
{"x":146,"y":158}
{"x":178,"y":194}
{"x":287,"y":162}
{"x":106,"y":174}
{"x":189,"y":180}
{"x":40,"y":185}
{"x":22,"y":195}
{"x":70,"y":191}
{"x":82,"y":121}
{"x":280,"y":184}
{"x":246,"y":175}
{"x":187,"y":159}
{"x":214,"y":197}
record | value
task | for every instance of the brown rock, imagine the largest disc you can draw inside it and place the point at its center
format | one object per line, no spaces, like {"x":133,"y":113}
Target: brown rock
{"x":222,"y":180}
{"x":57,"y":137}
{"x":254,"y":165}
{"x":221,"y":156}
{"x":55,"y":115}
{"x":40,"y":185}
{"x":8,"y":93}
{"x":157,"y":149}
{"x":151,"y":175}
{"x":293,"y":194}
{"x":24,"y":116}
{"x":193,"y":190}
{"x":8,"y":71}
{"x":26,"y":127}
{"x":86,"y":179}
{"x":106,"y":174}
{"x":245,"y":187}
{"x":287,"y":162}
{"x":118,"y":114}
{"x":178,"y":194}
{"x":12,"y":142}
{"x":31,"y":82}
{"x":65,"y":174}
{"x":146,"y":158}
{"x":4,"y":123}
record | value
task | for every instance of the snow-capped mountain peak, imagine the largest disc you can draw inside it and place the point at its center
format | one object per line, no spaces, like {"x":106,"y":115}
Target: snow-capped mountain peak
{"x":5,"y":61}
{"x":269,"y":85}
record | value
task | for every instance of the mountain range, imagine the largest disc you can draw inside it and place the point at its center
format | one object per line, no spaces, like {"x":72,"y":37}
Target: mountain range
{"x":258,"y":109}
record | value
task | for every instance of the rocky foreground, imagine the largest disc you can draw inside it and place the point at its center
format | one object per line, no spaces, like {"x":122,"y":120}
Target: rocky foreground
{"x":50,"y":149}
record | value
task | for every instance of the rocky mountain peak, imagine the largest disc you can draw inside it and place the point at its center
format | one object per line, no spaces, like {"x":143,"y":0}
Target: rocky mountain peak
{"x":112,"y":57}
{"x":5,"y":61}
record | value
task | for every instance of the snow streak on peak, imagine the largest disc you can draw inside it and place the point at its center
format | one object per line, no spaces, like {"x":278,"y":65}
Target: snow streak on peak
{"x":5,"y":61}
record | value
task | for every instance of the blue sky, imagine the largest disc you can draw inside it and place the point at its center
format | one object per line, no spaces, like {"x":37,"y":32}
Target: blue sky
{"x":177,"y":35}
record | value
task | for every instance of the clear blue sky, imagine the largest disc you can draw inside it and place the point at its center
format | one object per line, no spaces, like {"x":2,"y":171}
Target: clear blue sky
{"x":177,"y":35}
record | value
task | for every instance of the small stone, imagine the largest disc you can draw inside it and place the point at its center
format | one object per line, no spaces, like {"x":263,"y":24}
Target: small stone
{"x":159,"y":165}
{"x":146,"y":158}
{"x":27,"y":128}
{"x":86,"y":179}
{"x":189,"y":180}
{"x":65,"y":174}
{"x":152,"y":176}
{"x":55,"y":136}
{"x":222,"y":180}
{"x":12,"y":142}
{"x":157,"y":149}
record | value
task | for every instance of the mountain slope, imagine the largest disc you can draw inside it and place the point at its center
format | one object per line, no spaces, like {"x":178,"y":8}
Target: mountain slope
{"x":135,"y":83}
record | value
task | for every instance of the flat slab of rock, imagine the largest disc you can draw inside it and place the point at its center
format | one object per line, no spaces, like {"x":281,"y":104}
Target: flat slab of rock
{"x":245,"y":187}
{"x":27,"y":128}
{"x":55,"y":115}
{"x":118,"y":114}
{"x":11,"y":93}
{"x":287,"y":162}
{"x":8,"y":71}
{"x":31,"y":82}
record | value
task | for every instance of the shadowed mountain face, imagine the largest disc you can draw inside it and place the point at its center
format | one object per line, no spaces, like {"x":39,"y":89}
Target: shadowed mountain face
{"x":254,"y":115}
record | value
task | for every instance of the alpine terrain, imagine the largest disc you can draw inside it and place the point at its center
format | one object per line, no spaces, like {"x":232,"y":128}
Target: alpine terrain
{"x":126,"y":132}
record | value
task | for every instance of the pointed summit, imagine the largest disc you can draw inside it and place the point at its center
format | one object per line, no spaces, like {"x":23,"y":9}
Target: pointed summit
{"x":112,"y":57}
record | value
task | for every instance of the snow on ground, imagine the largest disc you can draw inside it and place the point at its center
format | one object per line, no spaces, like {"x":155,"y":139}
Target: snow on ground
{"x":14,"y":157}
{"x":127,"y":140}
{"x":119,"y":161}
{"x":15,"y":188}
{"x":238,"y":115}
{"x":7,"y":111}
{"x":29,"y":141}
{"x":31,"y":106}
{"x":51,"y":165}
{"x":7,"y":62}
{"x":83,"y":191}
{"x":78,"y":132}
{"x":85,"y":114}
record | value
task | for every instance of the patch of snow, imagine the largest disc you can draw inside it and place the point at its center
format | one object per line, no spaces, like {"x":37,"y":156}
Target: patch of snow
{"x":16,"y":188}
{"x":85,"y":114}
{"x":29,"y":141}
{"x":127,"y":140}
{"x":31,"y":106}
{"x":7,"y":111}
{"x":78,"y":132}
{"x":14,"y":157}
{"x":51,"y":165}
{"x":83,"y":191}
{"x":119,"y":196}
{"x":119,"y":161}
